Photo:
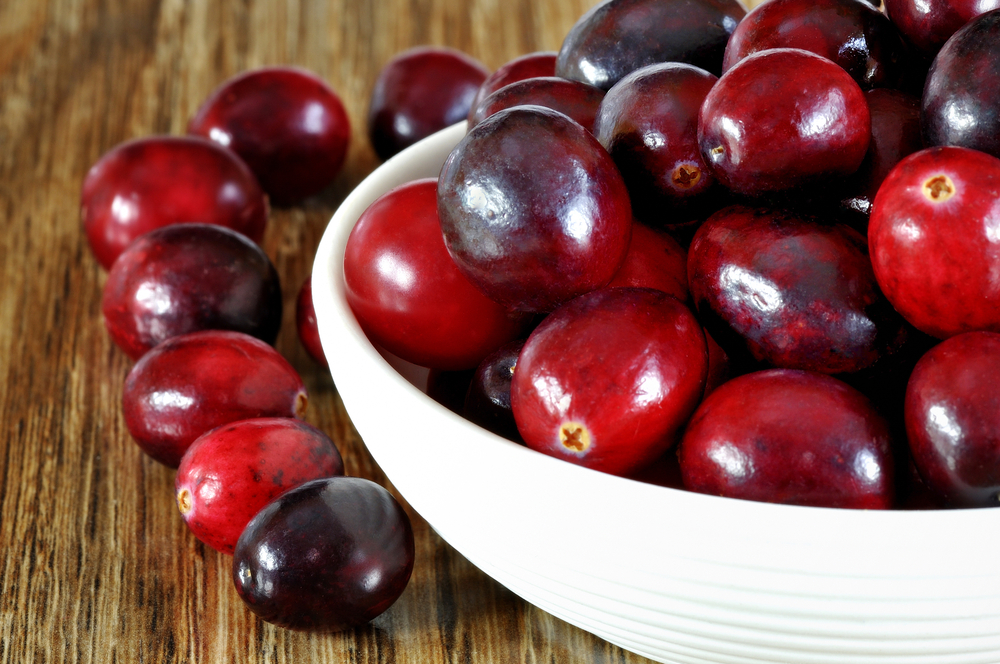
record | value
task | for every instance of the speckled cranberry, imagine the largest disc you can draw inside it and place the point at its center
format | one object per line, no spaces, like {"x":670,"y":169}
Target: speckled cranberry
{"x":230,"y":473}
{"x":793,"y":437}
{"x":530,"y":65}
{"x":195,"y":382}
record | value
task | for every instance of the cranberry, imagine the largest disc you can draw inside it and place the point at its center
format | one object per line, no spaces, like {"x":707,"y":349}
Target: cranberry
{"x":448,"y":388}
{"x":286,"y":123}
{"x":533,"y":209}
{"x":531,"y":65}
{"x":654,"y":260}
{"x":793,"y":291}
{"x":648,"y":122}
{"x":619,"y":36}
{"x":953,"y":419}
{"x":407,"y":293}
{"x":328,"y":555}
{"x":961,"y":101}
{"x":855,"y":35}
{"x":305,"y":323}
{"x":781,"y":119}
{"x":933,"y":235}
{"x":230,"y":473}
{"x":608,"y":380}
{"x":929,"y":23}
{"x":419,"y":92}
{"x":188,"y":277}
{"x":195,"y":382}
{"x":487,"y":401}
{"x":786,"y":436}
{"x":152,"y":182}
{"x":577,"y":100}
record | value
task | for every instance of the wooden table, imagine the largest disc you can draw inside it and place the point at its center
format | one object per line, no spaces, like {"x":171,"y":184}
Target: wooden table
{"x":96,"y":564}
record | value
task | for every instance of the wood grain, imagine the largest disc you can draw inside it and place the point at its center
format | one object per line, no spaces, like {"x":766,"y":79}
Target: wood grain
{"x":95,"y":563}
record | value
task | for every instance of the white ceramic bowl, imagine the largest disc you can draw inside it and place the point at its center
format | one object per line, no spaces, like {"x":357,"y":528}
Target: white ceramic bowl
{"x":672,"y":575}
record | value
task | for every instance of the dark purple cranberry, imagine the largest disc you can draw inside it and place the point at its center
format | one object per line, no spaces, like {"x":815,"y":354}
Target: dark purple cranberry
{"x":577,"y":100}
{"x":531,"y":65}
{"x":619,"y":36}
{"x":783,"y":119}
{"x":961,"y":101}
{"x":533,"y":209}
{"x":286,"y":123}
{"x":648,"y":122}
{"x":326,"y":556}
{"x":419,"y":92}
{"x":928,"y":24}
{"x":189,"y":277}
{"x":793,"y":437}
{"x":487,"y":401}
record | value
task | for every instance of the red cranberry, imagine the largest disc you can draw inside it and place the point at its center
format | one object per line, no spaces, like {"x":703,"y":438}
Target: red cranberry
{"x":189,"y":277}
{"x":608,"y":380}
{"x":953,"y":419}
{"x":577,"y":100}
{"x":531,"y":65}
{"x":419,"y":92}
{"x":781,"y":119}
{"x":533,"y":209}
{"x":785,"y":436}
{"x":305,"y":323}
{"x":654,"y":260}
{"x":933,"y":235}
{"x":286,"y":123}
{"x":328,"y":555}
{"x":929,"y":23}
{"x":230,"y":473}
{"x":153,"y":182}
{"x":407,"y":293}
{"x":195,"y":382}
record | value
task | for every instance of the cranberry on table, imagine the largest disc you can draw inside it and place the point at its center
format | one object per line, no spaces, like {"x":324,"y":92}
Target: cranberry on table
{"x":407,"y":293}
{"x":933,"y":240}
{"x":608,"y":380}
{"x":855,"y":35}
{"x":231,"y":472}
{"x":793,"y":437}
{"x":306,"y":325}
{"x":617,"y":37}
{"x":286,"y":123}
{"x":419,"y":92}
{"x":577,"y":100}
{"x":782,"y":119}
{"x":153,"y":182}
{"x":654,"y":260}
{"x":929,"y":23}
{"x":961,"y":100}
{"x":648,"y":122}
{"x":188,"y":277}
{"x":192,"y":383}
{"x":328,"y":555}
{"x":487,"y":401}
{"x":530,"y":65}
{"x":791,"y":290}
{"x":953,"y":419}
{"x":533,"y":209}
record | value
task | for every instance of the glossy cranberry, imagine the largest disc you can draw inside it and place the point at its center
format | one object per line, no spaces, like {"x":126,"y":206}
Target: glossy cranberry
{"x":305,"y":323}
{"x":189,"y":277}
{"x":153,"y":182}
{"x":929,"y":23}
{"x":419,"y":92}
{"x":195,"y":382}
{"x":961,"y":101}
{"x":794,"y":437}
{"x":619,"y":36}
{"x":487,"y":401}
{"x":793,"y":291}
{"x":895,"y":118}
{"x":781,"y":119}
{"x":855,"y":35}
{"x":407,"y":293}
{"x":230,"y":473}
{"x":648,"y":122}
{"x":325,"y":556}
{"x":286,"y":123}
{"x":933,"y":236}
{"x":608,"y":380}
{"x":654,"y":260}
{"x":533,"y":209}
{"x":531,"y":65}
{"x":577,"y":100}
{"x":953,"y":419}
